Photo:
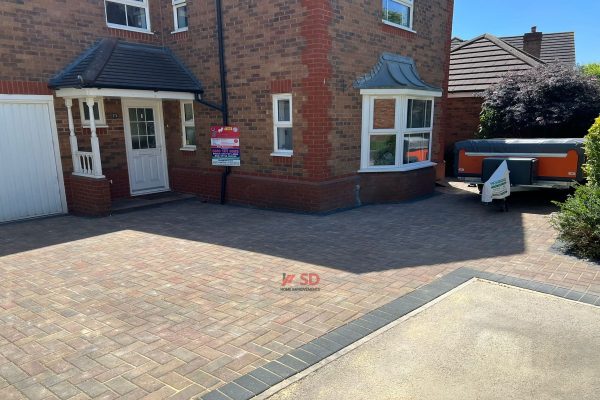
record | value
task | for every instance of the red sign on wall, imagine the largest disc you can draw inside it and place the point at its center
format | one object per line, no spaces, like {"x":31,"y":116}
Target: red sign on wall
{"x":225,"y":146}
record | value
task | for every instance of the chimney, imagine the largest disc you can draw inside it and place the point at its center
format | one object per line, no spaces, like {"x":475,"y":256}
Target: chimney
{"x":532,"y":42}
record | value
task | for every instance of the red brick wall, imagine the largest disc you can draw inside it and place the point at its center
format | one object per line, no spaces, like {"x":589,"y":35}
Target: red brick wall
{"x":392,"y":187}
{"x":88,"y":196}
{"x":463,"y":123}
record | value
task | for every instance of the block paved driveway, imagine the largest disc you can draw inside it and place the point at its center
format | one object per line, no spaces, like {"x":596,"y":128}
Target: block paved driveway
{"x":173,"y":301}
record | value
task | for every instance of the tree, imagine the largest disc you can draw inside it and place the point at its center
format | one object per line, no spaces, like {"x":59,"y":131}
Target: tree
{"x":547,"y":101}
{"x":592,"y":69}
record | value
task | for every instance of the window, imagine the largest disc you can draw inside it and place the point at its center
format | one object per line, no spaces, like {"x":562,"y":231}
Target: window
{"x":180,"y":15}
{"x":128,"y":14}
{"x":282,"y":124}
{"x":99,"y":116}
{"x":396,"y":132}
{"x":188,"y":127}
{"x":398,"y":13}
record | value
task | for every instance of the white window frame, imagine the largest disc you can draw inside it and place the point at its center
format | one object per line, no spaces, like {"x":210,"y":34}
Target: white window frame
{"x":401,"y":98}
{"x":101,"y":122}
{"x":411,"y":6}
{"x":139,"y":4}
{"x":184,"y":124}
{"x":177,"y":4}
{"x":281,"y":124}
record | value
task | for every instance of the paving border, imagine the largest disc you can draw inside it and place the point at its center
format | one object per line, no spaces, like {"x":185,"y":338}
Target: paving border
{"x":264,"y":378}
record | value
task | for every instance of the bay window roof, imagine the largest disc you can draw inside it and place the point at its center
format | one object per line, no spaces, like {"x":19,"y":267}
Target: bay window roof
{"x":393,"y":71}
{"x":116,"y":64}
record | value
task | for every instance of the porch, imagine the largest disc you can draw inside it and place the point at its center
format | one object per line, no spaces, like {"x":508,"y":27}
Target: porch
{"x":117,"y":100}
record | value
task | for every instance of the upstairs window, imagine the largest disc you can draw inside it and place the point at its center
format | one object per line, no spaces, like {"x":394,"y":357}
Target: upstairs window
{"x":180,"y":15}
{"x":398,"y":13}
{"x":282,"y":125}
{"x":128,"y":14}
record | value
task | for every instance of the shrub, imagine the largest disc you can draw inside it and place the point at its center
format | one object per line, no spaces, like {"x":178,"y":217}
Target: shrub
{"x":545,"y":101}
{"x":578,"y":222}
{"x":592,"y":69}
{"x":592,"y":152}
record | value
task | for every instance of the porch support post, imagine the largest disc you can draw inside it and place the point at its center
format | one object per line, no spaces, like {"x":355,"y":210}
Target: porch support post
{"x":96,"y":162}
{"x":72,"y":137}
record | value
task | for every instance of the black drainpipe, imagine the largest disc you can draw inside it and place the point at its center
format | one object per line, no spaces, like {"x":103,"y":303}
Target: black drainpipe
{"x":224,"y":106}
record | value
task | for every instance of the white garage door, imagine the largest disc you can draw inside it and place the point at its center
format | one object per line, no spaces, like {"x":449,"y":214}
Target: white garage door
{"x":31,"y":183}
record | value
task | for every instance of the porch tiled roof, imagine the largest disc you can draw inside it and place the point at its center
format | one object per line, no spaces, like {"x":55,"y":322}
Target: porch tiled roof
{"x":116,"y":64}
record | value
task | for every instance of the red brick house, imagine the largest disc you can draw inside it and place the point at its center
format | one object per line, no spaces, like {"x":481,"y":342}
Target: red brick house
{"x":337,"y":103}
{"x":480,"y":62}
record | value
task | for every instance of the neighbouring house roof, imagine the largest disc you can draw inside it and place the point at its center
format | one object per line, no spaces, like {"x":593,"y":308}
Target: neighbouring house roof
{"x":557,"y":48}
{"x":116,"y":64}
{"x":478,"y":63}
{"x":393,"y":71}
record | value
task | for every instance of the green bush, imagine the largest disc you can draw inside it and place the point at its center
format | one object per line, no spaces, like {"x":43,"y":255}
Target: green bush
{"x":592,"y":69}
{"x":578,"y":222}
{"x":592,"y":152}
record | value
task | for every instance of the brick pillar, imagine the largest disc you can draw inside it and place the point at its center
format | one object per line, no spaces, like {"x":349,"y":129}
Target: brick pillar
{"x":90,"y":196}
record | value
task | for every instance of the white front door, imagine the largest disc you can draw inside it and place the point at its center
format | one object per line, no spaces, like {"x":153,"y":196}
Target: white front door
{"x":145,"y":141}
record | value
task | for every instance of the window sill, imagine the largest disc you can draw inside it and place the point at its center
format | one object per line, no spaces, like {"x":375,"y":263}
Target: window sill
{"x":404,"y":168}
{"x":128,"y":28}
{"x":87,"y":126}
{"x":179,"y":30}
{"x":398,"y":26}
{"x":188,"y":148}
{"x":282,"y":153}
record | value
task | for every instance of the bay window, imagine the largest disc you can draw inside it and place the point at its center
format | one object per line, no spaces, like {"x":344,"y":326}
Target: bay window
{"x":397,"y":132}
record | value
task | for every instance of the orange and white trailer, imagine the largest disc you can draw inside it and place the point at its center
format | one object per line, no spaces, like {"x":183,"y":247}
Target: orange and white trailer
{"x":549,"y":163}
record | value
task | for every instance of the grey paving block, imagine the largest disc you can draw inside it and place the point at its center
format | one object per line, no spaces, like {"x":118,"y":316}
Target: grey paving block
{"x":560,"y":291}
{"x":574,"y":295}
{"x":251,"y":384}
{"x":366,"y":324}
{"x":403,"y":305}
{"x":316,"y":350}
{"x":336,"y":337}
{"x":215,"y":395}
{"x":236,"y":392}
{"x":590,"y":299}
{"x":266,"y":376}
{"x":328,"y":344}
{"x":279,"y":369}
{"x":546,"y":288}
{"x":352,"y":334}
{"x":456,"y":279}
{"x":383,"y":315}
{"x":374,"y":319}
{"x":292,"y":362}
{"x":305,"y":356}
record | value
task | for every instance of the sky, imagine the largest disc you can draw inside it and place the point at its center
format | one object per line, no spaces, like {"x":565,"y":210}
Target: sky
{"x":514,"y":17}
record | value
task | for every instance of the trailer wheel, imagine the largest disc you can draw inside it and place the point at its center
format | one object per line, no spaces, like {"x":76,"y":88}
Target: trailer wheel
{"x":480,"y":187}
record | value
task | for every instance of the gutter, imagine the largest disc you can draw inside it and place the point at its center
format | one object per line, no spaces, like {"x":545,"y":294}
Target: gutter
{"x":223,"y":108}
{"x":224,"y":104}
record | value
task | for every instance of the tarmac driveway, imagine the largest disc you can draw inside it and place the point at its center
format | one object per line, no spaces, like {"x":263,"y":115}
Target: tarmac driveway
{"x":174,"y":301}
